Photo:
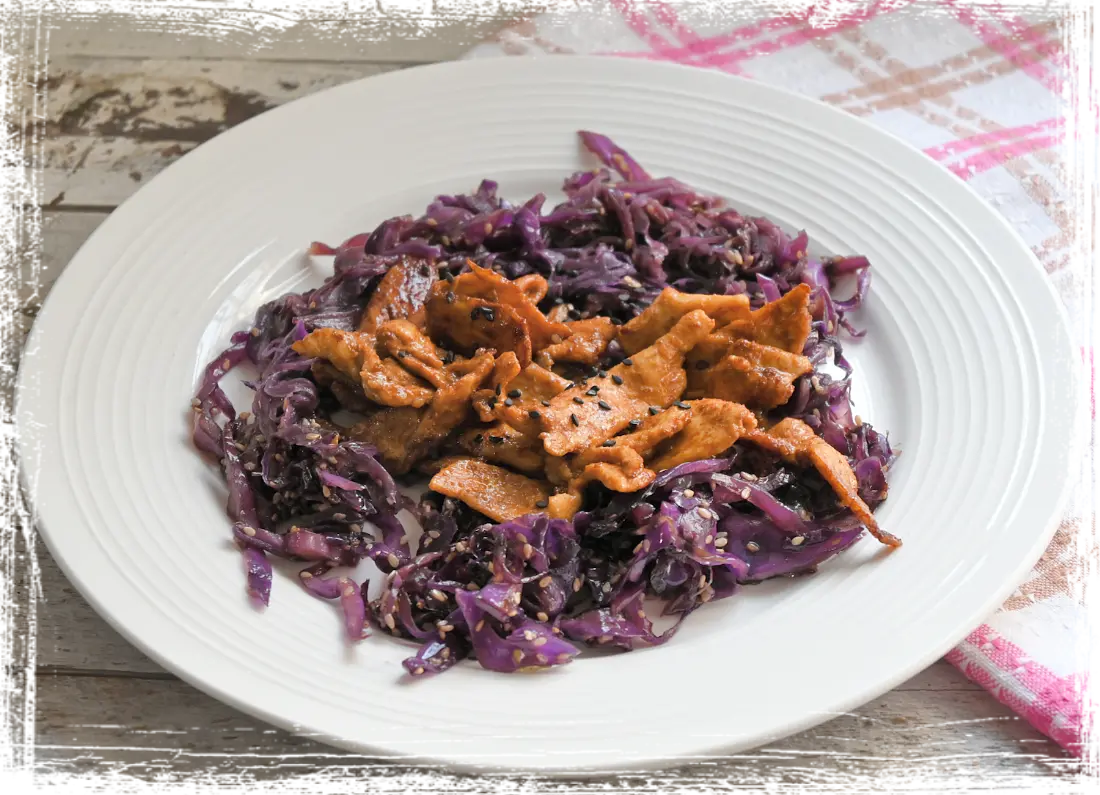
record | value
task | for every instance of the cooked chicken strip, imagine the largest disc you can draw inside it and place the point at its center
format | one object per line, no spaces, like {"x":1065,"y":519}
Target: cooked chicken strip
{"x":576,"y":421}
{"x":468,"y":324}
{"x":669,"y":307}
{"x":586,"y":343}
{"x":796,"y":442}
{"x":496,"y":492}
{"x":401,"y":294}
{"x":714,"y":426}
{"x":784,"y":324}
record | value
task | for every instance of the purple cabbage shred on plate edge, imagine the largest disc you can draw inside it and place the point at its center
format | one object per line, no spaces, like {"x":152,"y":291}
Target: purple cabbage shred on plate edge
{"x":521,"y":595}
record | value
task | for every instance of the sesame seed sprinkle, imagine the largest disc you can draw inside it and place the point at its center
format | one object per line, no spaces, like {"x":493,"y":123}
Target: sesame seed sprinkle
{"x":654,"y":411}
{"x":542,"y":504}
{"x":745,"y":493}
{"x":797,"y":541}
{"x":603,"y":404}
{"x":578,"y":401}
{"x":515,"y":393}
{"x":752,"y":546}
{"x":706,"y":513}
{"x":617,"y":379}
{"x":545,"y":582}
{"x":390,"y":622}
{"x":628,"y":362}
{"x":393,"y":560}
{"x":533,"y":414}
{"x":689,"y":493}
{"x":541,"y":616}
{"x":721,"y":542}
{"x":517,"y":655}
{"x":306,"y":575}
{"x":573,"y":419}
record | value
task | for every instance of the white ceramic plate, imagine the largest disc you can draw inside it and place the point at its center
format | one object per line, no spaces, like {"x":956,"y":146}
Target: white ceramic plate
{"x":967,"y":363}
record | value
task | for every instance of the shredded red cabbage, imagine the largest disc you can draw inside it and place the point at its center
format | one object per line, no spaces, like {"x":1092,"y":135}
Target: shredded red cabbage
{"x":514,"y":594}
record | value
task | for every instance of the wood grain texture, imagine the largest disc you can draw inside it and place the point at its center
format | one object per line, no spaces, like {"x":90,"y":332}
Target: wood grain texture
{"x":129,"y":96}
{"x":165,"y":728}
{"x":375,"y":32}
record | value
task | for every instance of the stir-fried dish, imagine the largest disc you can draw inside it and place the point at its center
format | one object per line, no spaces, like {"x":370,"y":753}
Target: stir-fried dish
{"x":629,"y":397}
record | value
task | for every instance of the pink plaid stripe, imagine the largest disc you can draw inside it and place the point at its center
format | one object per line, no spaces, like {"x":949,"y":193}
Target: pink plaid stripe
{"x":943,"y":151}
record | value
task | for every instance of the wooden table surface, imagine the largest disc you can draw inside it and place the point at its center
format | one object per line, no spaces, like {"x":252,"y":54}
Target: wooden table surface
{"x":126,"y":97}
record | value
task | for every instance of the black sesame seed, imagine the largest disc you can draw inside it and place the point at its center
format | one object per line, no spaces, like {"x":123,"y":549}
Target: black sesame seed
{"x":681,"y":404}
{"x":545,"y":403}
{"x":571,"y":384}
{"x":608,"y":443}
{"x":628,"y":362}
{"x":542,"y":504}
{"x":475,"y":313}
{"x":603,"y":404}
{"x":492,"y":402}
{"x":496,"y":439}
{"x":451,"y":298}
{"x":448,"y":276}
{"x":507,"y":401}
{"x":601,"y":373}
{"x":593,"y":391}
{"x":479,"y":439}
{"x":533,"y":414}
{"x":616,"y":322}
{"x":497,"y":390}
{"x":654,"y":411}
{"x":633,"y":424}
{"x":617,"y":379}
{"x":448,"y":357}
{"x":578,"y":401}
{"x":573,"y":419}
{"x":515,"y":393}
{"x":559,"y":301}
{"x":489,"y":314}
{"x":402,"y":354}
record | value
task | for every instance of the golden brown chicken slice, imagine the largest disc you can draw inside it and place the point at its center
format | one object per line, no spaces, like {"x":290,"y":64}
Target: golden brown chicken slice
{"x":387,"y":382}
{"x":468,"y":324}
{"x":796,"y":442}
{"x":671,"y":305}
{"x":449,"y":408}
{"x":494,"y":491}
{"x":401,"y":294}
{"x":338,"y":348}
{"x":577,"y":420}
{"x":759,"y":376}
{"x":390,"y":431}
{"x":586,"y":343}
{"x":354,"y":355}
{"x":533,"y":286}
{"x":503,"y":444}
{"x":414,"y":351}
{"x":522,"y":400}
{"x":713,"y":428}
{"x":613,"y":476}
{"x":484,"y":400}
{"x":783,"y":324}
{"x":491,"y":286}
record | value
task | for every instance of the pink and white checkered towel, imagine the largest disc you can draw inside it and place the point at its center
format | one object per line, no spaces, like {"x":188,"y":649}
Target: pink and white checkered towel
{"x":985,"y":92}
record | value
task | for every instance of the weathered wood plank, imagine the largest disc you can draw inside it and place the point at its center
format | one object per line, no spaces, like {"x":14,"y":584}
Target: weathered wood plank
{"x":436,"y":30}
{"x":167,"y":729}
{"x":110,"y":125}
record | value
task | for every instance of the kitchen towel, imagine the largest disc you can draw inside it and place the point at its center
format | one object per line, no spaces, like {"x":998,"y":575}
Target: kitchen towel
{"x":982,"y":90}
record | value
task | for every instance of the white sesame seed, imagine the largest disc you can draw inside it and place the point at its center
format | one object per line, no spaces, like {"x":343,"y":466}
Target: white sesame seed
{"x":576,"y":584}
{"x":312,"y":436}
{"x":393,"y":560}
{"x":539,"y":641}
{"x":545,"y":582}
{"x":517,"y":655}
{"x":326,"y":491}
{"x":520,"y":537}
{"x":702,"y":581}
{"x":433,"y":534}
{"x":390,"y":622}
{"x":249,"y":531}
{"x":305,"y":575}
{"x":445,"y":628}
{"x":530,"y":634}
{"x":528,"y":551}
{"x":689,"y":493}
{"x":470,"y":586}
{"x":745,"y":494}
{"x":606,"y":588}
{"x":721,"y":542}
{"x":417,"y":671}
{"x":706,"y":513}
{"x":797,"y":541}
{"x":348,"y":591}
{"x":708,"y":540}
{"x":480,"y":625}
{"x":752,"y":546}
{"x":438,"y":595}
{"x":541,"y":616}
